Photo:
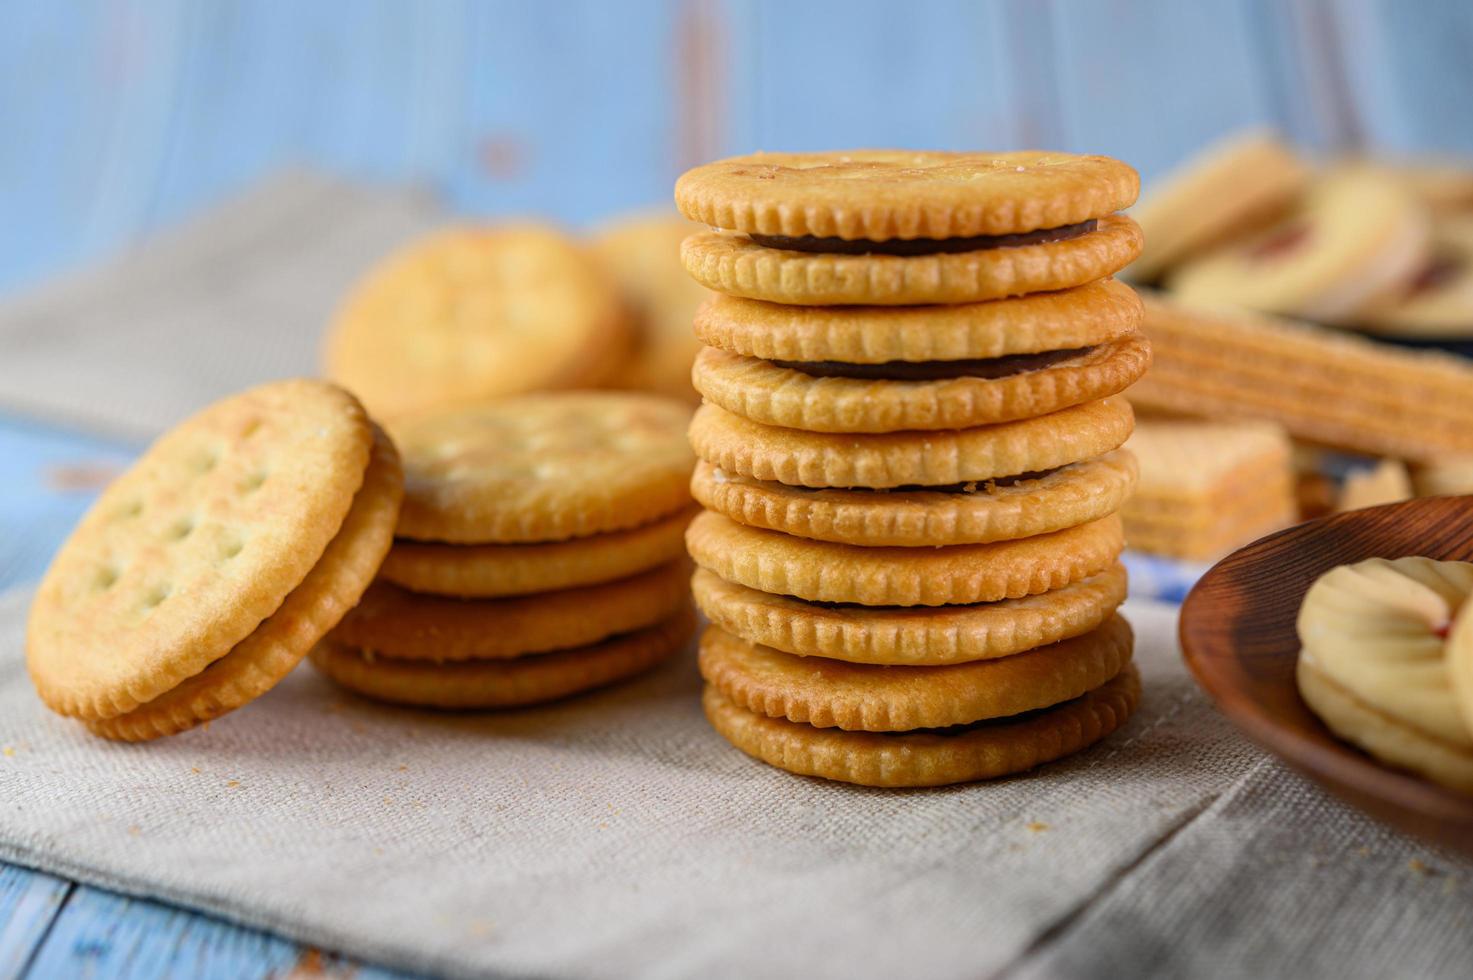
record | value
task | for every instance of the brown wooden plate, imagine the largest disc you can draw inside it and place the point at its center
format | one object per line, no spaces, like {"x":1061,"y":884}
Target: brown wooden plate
{"x":1238,"y":637}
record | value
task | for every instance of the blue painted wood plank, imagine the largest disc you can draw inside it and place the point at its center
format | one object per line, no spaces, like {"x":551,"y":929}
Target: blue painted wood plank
{"x":48,"y":478}
{"x":29,"y":903}
{"x":101,"y":934}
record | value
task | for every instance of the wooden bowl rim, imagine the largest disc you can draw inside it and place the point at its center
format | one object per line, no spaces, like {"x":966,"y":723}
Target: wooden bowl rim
{"x":1205,"y":633}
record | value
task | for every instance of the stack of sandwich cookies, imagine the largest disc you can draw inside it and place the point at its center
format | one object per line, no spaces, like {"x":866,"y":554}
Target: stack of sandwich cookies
{"x":539,"y":554}
{"x":921,"y":498}
{"x":205,"y":573}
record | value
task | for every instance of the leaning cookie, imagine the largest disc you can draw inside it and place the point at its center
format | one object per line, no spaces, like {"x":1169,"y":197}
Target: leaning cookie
{"x":207,"y":570}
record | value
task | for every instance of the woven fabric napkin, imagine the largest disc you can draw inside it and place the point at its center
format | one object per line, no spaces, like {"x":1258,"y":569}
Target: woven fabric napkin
{"x":234,"y":297}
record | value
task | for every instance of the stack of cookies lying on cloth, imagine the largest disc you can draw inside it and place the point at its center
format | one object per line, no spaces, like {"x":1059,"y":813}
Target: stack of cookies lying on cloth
{"x":526,"y":550}
{"x":538,"y":555}
{"x":910,"y":458}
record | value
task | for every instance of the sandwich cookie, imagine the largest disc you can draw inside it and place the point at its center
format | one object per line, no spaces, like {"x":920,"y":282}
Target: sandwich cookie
{"x":899,"y":227}
{"x":924,"y":636}
{"x":877,"y":698}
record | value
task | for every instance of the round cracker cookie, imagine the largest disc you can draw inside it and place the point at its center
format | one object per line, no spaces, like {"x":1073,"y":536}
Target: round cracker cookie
{"x":1095,"y":313}
{"x":404,"y":625}
{"x":1358,"y":237}
{"x":739,"y":266}
{"x":822,"y":571}
{"x":1384,"y":736}
{"x":926,"y":636}
{"x":643,"y":253}
{"x":971,"y":514}
{"x":1026,"y":385}
{"x":876,"y":698}
{"x":489,"y":571}
{"x":469,"y":314}
{"x":544,"y":467}
{"x":273,"y":649}
{"x":481,"y":684}
{"x":906,"y":194}
{"x":910,"y":459}
{"x":195,"y":546}
{"x":982,"y":751}
{"x":1233,"y":186}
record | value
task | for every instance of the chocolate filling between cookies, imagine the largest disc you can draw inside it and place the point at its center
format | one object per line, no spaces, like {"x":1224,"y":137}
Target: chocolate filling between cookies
{"x":924,"y":246}
{"x":989,"y":369}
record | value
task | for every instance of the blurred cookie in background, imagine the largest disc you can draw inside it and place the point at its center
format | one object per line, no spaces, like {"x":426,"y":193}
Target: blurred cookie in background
{"x":1233,"y":186}
{"x":1444,"y":478}
{"x":1207,"y":487}
{"x":1387,"y":482}
{"x":470,"y":314}
{"x":1446,"y":186}
{"x":642,"y":251}
{"x":1357,"y":238}
{"x":1438,"y":302}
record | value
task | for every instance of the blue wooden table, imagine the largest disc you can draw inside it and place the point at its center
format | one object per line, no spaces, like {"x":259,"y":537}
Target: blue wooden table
{"x":121,"y":117}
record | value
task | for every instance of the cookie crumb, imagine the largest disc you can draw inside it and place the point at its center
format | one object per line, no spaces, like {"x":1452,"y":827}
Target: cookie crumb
{"x":1420,"y":867}
{"x":8,"y":751}
{"x":1037,"y":826}
{"x":232,"y":784}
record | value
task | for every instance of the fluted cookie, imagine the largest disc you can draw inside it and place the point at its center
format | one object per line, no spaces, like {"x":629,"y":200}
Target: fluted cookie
{"x":273,"y":499}
{"x":927,"y":635}
{"x":1375,"y":666}
{"x":832,"y":396}
{"x":888,"y":195}
{"x":823,"y":571}
{"x":544,"y":467}
{"x":985,"y":750}
{"x":492,"y":570}
{"x":1088,"y":315}
{"x":489,"y":684}
{"x":741,"y":266}
{"x":1358,"y":237}
{"x":909,"y":459}
{"x":970,"y":513}
{"x":877,"y":698}
{"x":469,"y":314}
{"x":405,"y":625}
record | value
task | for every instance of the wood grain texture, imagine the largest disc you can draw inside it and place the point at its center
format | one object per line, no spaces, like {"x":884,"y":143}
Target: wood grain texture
{"x":1239,"y":639}
{"x":29,"y":903}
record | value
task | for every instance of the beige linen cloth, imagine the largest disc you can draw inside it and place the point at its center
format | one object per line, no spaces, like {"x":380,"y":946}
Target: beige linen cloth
{"x":617,"y":835}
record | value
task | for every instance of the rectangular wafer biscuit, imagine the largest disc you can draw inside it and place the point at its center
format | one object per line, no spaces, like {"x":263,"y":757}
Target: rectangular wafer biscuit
{"x":1323,"y":386}
{"x":1206,"y":487}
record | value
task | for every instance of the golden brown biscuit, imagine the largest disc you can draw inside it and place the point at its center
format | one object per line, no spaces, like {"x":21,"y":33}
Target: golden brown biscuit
{"x":485,"y":684}
{"x":970,"y":514}
{"x":544,"y":467}
{"x":488,"y":571}
{"x":404,"y":625}
{"x":257,"y":663}
{"x":739,"y":266}
{"x":982,"y":751}
{"x":916,"y":636}
{"x":1095,"y":313}
{"x":906,"y":459}
{"x":823,"y":571}
{"x":470,"y":314}
{"x":903,"y":194}
{"x":822,"y":397}
{"x":188,"y":552}
{"x":876,"y":698}
{"x":1438,"y":301}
